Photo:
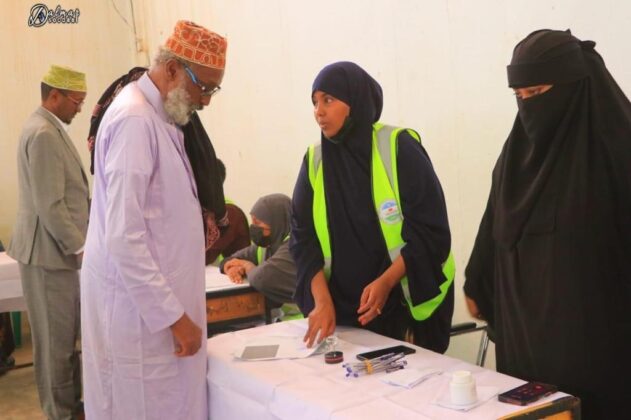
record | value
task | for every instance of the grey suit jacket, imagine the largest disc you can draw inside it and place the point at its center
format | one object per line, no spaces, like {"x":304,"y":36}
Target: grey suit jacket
{"x":53,"y":202}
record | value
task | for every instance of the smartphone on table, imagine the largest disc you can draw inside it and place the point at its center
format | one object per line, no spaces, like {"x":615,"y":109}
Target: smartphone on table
{"x":382,"y":352}
{"x":527,"y":393}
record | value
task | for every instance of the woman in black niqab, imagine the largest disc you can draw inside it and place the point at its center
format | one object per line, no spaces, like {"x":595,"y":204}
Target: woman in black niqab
{"x":550,"y":269}
{"x":359,"y":253}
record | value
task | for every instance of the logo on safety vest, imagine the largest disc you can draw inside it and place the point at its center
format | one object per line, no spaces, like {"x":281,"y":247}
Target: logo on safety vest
{"x":389,"y":212}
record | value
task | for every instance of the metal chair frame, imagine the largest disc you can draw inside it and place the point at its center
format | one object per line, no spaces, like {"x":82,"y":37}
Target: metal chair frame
{"x":470,"y":327}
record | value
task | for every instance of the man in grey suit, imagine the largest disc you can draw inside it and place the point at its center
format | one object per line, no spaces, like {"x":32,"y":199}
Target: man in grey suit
{"x":48,"y":239}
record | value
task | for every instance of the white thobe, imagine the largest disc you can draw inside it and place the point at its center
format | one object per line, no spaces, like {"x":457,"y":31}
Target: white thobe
{"x":143,"y":267}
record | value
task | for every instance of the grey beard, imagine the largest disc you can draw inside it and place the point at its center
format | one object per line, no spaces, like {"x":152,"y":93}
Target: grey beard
{"x":178,"y":105}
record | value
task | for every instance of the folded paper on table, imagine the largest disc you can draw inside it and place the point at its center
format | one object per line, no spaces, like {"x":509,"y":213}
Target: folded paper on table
{"x":275,"y":347}
{"x":410,"y":377}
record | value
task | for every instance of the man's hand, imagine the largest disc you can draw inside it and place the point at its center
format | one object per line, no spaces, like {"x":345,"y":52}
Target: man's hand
{"x":187,"y":336}
{"x":321,"y":323}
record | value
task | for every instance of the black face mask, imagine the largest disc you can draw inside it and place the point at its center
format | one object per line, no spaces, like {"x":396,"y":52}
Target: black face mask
{"x":543,"y":114}
{"x":256,"y":233}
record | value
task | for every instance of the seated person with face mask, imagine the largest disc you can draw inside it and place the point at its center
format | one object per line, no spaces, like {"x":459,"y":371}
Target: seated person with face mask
{"x":267,"y":263}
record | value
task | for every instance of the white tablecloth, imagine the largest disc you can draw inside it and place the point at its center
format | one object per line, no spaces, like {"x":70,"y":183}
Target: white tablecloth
{"x":11,"y":297}
{"x":303,"y":389}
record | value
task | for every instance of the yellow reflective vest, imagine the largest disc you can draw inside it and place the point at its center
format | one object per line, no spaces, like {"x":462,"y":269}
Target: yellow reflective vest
{"x":385,"y":189}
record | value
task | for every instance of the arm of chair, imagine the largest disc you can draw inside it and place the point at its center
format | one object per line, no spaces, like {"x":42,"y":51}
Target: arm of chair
{"x":469,"y":327}
{"x":466,"y":327}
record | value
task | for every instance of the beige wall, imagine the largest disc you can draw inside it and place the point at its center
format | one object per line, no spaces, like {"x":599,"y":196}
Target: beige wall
{"x":101,"y":45}
{"x":441,"y":64}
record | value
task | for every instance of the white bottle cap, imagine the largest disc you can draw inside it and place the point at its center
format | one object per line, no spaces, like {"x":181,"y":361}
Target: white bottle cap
{"x":461,"y":377}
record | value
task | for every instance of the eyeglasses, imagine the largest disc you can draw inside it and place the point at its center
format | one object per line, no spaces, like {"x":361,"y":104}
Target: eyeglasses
{"x":206,"y":90}
{"x":73,"y":100}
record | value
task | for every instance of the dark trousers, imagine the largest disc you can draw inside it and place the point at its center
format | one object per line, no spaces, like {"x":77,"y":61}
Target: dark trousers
{"x":52,"y":299}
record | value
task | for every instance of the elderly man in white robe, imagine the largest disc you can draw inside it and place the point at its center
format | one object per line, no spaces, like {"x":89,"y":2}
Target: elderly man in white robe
{"x":142,"y":281}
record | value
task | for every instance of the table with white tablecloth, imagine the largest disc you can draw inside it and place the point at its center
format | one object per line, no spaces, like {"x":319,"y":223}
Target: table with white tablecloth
{"x":217,"y":285}
{"x":229,"y":305}
{"x":303,"y":389}
{"x":11,"y":297}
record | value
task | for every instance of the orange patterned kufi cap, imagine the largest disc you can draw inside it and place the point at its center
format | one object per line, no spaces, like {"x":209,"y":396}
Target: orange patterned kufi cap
{"x":197,"y":44}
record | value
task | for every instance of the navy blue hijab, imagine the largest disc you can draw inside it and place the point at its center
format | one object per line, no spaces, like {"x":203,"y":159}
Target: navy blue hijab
{"x":358,"y":248}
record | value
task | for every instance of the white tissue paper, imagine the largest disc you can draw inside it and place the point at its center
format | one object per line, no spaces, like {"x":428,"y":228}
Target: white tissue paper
{"x":409,"y":378}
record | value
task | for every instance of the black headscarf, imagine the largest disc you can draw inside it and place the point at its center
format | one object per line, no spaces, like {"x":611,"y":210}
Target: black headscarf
{"x":353,"y":225}
{"x":556,"y":128}
{"x":201,"y":154}
{"x":359,"y":253}
{"x":199,"y":148}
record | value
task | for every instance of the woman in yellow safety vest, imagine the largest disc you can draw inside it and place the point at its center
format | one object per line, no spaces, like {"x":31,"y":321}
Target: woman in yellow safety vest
{"x":370,"y":234}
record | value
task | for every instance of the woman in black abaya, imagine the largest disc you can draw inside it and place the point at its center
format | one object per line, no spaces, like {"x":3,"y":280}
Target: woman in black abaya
{"x":550,"y":269}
